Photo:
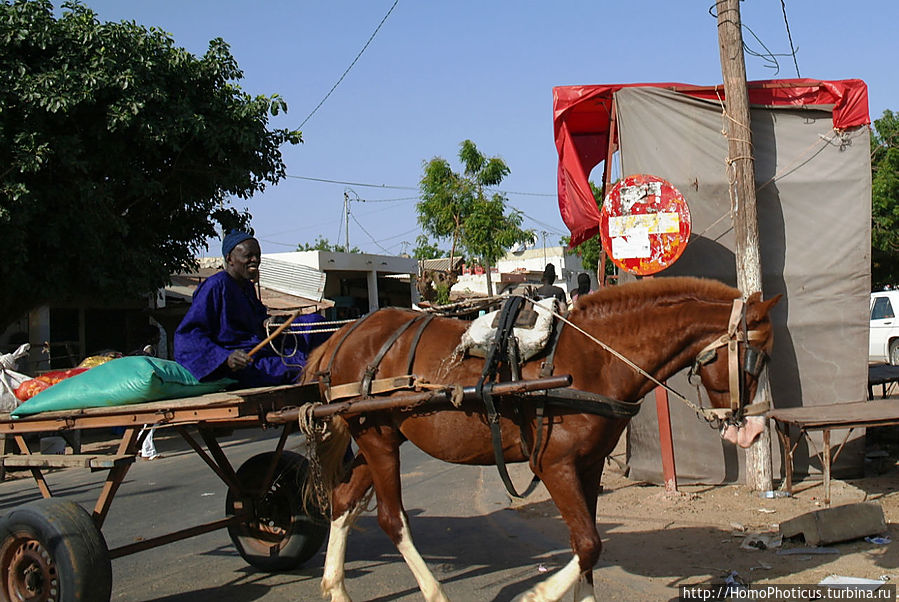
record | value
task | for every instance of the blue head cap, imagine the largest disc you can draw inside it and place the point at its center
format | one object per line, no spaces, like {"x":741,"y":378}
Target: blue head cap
{"x":234,"y":238}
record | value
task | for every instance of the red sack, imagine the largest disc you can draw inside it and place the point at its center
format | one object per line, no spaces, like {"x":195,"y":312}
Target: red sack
{"x":32,"y":387}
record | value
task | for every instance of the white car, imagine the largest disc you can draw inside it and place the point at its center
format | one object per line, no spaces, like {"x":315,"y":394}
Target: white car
{"x":883,"y":341}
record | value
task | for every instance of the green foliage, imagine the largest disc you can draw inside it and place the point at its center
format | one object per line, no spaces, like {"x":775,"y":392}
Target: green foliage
{"x":455,"y":206}
{"x":590,"y":250}
{"x":885,"y":201}
{"x":424,"y":249}
{"x":119,"y":153}
{"x":322,"y":244}
{"x":443,"y":293}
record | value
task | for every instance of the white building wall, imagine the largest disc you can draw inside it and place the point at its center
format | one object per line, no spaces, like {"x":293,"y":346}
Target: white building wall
{"x":532,"y":262}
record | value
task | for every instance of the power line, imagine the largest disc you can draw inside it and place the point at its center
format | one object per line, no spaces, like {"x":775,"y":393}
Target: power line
{"x":783,"y":6}
{"x":553,"y":229}
{"x":369,"y":235}
{"x":546,"y":194}
{"x":393,"y":187}
{"x":327,"y":181}
{"x":372,"y":37}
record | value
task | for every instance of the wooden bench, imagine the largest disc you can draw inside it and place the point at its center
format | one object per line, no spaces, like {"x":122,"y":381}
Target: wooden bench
{"x":825,"y":418}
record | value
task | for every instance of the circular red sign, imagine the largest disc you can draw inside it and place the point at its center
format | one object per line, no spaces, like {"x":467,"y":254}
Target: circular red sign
{"x":644,"y":224}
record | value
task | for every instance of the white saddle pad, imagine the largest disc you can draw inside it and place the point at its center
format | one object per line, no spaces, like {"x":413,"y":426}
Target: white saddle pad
{"x":531,"y":341}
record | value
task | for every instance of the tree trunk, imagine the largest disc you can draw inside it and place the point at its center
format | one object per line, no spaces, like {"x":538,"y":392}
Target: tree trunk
{"x":489,"y":280}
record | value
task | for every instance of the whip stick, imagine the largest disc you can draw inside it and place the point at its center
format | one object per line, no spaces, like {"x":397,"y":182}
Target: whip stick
{"x":278,"y":331}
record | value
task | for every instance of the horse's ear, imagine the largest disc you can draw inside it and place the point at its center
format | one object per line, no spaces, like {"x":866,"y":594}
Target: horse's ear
{"x":762,"y":307}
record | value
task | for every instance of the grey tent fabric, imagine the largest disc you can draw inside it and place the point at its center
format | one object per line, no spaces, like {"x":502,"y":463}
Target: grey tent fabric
{"x":814,"y":207}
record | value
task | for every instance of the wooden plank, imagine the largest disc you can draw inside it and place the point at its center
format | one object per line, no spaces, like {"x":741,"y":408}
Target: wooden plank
{"x":293,"y":394}
{"x":64,"y":461}
{"x":241,"y":406}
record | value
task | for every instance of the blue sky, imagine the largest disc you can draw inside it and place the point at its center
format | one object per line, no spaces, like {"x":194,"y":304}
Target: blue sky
{"x":437,"y":73}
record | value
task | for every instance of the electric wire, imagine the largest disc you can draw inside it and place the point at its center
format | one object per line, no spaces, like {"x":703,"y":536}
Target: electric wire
{"x":769,"y":58}
{"x":783,"y":6}
{"x":327,"y":181}
{"x":372,"y":238}
{"x":334,"y":87}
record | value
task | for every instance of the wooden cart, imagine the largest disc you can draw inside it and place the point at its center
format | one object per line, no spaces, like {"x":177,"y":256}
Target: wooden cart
{"x":53,"y":545}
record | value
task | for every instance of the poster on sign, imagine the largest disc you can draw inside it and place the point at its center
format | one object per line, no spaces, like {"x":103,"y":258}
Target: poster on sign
{"x":644,"y":224}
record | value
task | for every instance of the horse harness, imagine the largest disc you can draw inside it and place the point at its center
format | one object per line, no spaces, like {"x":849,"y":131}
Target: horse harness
{"x":503,"y":350}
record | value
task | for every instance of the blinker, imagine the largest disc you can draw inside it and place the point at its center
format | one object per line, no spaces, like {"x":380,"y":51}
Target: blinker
{"x":753,"y":360}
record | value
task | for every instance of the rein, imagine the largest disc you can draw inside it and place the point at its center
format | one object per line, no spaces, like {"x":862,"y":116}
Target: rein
{"x":731,"y":338}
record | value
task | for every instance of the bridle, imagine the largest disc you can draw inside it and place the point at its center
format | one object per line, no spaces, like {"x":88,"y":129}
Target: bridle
{"x":754,"y":359}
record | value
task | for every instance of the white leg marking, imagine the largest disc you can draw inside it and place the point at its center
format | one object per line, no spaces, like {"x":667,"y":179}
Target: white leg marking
{"x":554,"y":588}
{"x":583,"y":591}
{"x":430,"y":587}
{"x":333,"y":578}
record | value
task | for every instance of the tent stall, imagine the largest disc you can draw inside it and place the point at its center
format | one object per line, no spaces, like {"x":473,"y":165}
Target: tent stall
{"x":811,"y":146}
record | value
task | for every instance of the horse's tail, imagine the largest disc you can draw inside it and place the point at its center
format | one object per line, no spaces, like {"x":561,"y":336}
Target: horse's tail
{"x":326,"y":443}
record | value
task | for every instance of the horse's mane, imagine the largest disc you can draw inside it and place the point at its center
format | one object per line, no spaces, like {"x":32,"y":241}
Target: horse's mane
{"x":653,"y":291}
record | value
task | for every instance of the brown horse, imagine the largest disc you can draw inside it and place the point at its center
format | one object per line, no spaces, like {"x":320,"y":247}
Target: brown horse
{"x":661,"y":325}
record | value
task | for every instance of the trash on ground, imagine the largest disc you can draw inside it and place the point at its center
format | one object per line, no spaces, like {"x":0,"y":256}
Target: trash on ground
{"x":880,"y":540}
{"x":762,"y":541}
{"x":855,"y":583}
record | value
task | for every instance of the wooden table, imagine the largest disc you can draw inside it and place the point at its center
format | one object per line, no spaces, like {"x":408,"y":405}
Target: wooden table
{"x":825,"y":418}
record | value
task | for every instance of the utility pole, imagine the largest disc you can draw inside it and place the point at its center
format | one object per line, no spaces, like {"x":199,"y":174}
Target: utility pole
{"x":346,"y":212}
{"x":741,"y":179}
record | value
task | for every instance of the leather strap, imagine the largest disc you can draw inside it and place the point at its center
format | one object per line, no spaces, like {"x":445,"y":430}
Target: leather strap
{"x":373,"y":367}
{"x":416,"y":339}
{"x":498,"y":349}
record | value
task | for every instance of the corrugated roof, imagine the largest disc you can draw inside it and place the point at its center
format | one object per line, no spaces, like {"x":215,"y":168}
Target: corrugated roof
{"x":441,"y":264}
{"x":292,"y":278}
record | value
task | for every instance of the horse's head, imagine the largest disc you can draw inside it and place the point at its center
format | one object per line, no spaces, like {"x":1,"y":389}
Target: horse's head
{"x":730,"y":366}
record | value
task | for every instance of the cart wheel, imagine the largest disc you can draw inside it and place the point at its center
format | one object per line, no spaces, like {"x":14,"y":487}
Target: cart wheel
{"x":278,"y":535}
{"x":51,"y":551}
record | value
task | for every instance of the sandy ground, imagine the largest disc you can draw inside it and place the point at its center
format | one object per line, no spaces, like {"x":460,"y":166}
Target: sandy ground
{"x":654,"y":542}
{"x":695,"y":535}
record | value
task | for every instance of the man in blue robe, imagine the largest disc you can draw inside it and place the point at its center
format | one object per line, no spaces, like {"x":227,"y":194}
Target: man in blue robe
{"x":227,"y":319}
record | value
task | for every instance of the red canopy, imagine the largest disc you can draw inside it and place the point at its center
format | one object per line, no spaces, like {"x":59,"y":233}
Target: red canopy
{"x":581,"y":121}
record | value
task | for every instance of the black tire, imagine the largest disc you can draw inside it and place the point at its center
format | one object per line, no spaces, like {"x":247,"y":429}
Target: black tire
{"x":894,"y":352}
{"x":51,"y":551}
{"x":279,"y":535}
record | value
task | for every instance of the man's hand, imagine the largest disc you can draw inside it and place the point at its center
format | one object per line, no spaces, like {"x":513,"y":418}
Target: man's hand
{"x":238,"y":360}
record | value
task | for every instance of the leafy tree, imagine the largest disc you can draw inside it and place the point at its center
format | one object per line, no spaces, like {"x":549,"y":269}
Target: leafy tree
{"x":424,"y":249}
{"x":322,"y":244}
{"x":119,"y":154}
{"x":885,"y":201}
{"x":590,"y":251}
{"x":456,"y":206}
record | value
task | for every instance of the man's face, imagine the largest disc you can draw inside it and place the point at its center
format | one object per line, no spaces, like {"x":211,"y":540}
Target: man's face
{"x":242,"y":262}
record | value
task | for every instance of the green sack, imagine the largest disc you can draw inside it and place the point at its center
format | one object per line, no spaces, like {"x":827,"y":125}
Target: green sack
{"x":121,"y":381}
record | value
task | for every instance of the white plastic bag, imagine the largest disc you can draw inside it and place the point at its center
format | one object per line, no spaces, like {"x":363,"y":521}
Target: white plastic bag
{"x":10,"y":379}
